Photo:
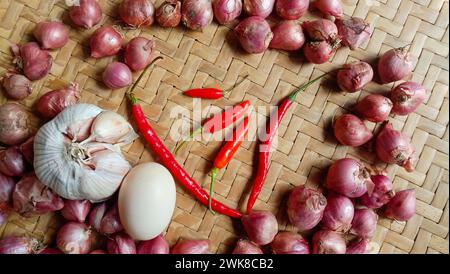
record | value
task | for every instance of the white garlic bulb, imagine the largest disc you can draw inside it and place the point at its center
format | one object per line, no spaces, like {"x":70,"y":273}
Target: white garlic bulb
{"x":78,"y":170}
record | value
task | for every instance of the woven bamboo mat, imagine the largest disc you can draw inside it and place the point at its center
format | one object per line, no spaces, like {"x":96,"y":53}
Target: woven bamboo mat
{"x":306,"y":147}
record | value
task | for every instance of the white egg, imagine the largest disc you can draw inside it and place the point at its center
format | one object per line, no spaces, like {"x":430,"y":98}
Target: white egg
{"x":147,"y":201}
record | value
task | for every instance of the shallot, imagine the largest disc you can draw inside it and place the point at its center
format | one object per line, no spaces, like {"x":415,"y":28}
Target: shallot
{"x":138,"y":53}
{"x":197,"y":14}
{"x":244,"y":246}
{"x":305,"y":207}
{"x":353,"y":32}
{"x":261,"y":226}
{"x":76,"y":210}
{"x":16,"y":124}
{"x":53,"y":102}
{"x":12,"y":162}
{"x":27,"y":149}
{"x":156,"y":245}
{"x":338,"y":214}
{"x":349,"y":177}
{"x":137,"y":13}
{"x":374,"y":108}
{"x":49,"y":250}
{"x":51,"y":35}
{"x":407,"y":97}
{"x":321,"y":30}
{"x":354,"y":76}
{"x":393,"y":147}
{"x":349,"y":130}
{"x":226,"y":11}
{"x":364,"y":223}
{"x":6,"y":188}
{"x":287,"y":35}
{"x":289,"y":243}
{"x":19,"y":245}
{"x":110,"y":223}
{"x":117,"y":75}
{"x":330,"y":7}
{"x":4,"y":213}
{"x":32,"y":60}
{"x":254,"y":34}
{"x":191,"y":247}
{"x":105,"y":41}
{"x":168,"y":15}
{"x":74,"y":238}
{"x":291,"y":9}
{"x":261,"y":8}
{"x":394,"y":65}
{"x":121,"y":243}
{"x":328,"y":242}
{"x":382,"y":192}
{"x":32,"y":197}
{"x":358,"y":246}
{"x":87,"y":14}
{"x":402,"y":206}
{"x":318,"y":52}
{"x":17,"y":86}
{"x":98,"y":251}
{"x":96,"y":216}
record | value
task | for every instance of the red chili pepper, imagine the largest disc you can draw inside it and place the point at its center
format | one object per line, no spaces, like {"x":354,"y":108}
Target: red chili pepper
{"x":264,"y":147}
{"x":169,"y":161}
{"x":211,"y":93}
{"x":227,"y":151}
{"x":219,"y":121}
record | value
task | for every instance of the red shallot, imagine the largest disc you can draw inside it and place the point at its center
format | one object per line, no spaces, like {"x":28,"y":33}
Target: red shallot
{"x":226,"y":11}
{"x":96,"y":216}
{"x":138,"y":53}
{"x":393,"y":147}
{"x":349,"y":177}
{"x":168,"y":15}
{"x":382,"y":192}
{"x":191,"y":247}
{"x":19,"y":245}
{"x":156,"y":245}
{"x":338,"y":214}
{"x":117,"y":75}
{"x":4,"y":213}
{"x":364,"y":223}
{"x":358,"y":246}
{"x":353,"y":32}
{"x":121,"y":243}
{"x":354,"y":76}
{"x":98,"y":251}
{"x":287,"y":35}
{"x":286,"y":242}
{"x":261,"y":226}
{"x":12,"y":162}
{"x":402,"y":206}
{"x":27,"y":149}
{"x":76,"y":210}
{"x":244,"y":246}
{"x":328,"y":242}
{"x":87,"y":14}
{"x":407,"y":97}
{"x":349,"y":130}
{"x":105,"y":41}
{"x":305,"y":207}
{"x":137,"y":13}
{"x":318,"y":52}
{"x":330,"y":7}
{"x":51,"y":35}
{"x":53,"y":102}
{"x":291,"y":9}
{"x":254,"y":34}
{"x":16,"y":124}
{"x":17,"y":86}
{"x":110,"y":223}
{"x":50,"y":250}
{"x":394,"y":65}
{"x":374,"y":108}
{"x":6,"y":188}
{"x":32,"y":60}
{"x":261,"y":8}
{"x":74,"y":238}
{"x":321,"y":30}
{"x":197,"y":14}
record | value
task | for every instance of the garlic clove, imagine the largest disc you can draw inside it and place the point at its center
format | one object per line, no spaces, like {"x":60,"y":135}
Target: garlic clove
{"x":111,"y":127}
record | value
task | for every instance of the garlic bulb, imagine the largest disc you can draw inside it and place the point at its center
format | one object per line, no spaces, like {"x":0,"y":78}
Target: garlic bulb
{"x":76,"y":168}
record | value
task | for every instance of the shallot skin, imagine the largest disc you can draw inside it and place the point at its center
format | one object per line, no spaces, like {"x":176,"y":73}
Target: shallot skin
{"x":354,"y":76}
{"x":244,"y":246}
{"x":261,"y":8}
{"x":74,"y":238}
{"x":51,"y":35}
{"x":137,"y":13}
{"x":407,"y":97}
{"x":261,"y":226}
{"x":254,"y":34}
{"x":382,"y":192}
{"x":364,"y":223}
{"x":12,"y":162}
{"x":16,"y":124}
{"x":156,"y":245}
{"x":121,"y":243}
{"x":374,"y":107}
{"x":6,"y":188}
{"x":305,"y":207}
{"x":191,"y":247}
{"x":196,"y":14}
{"x":226,"y":11}
{"x":34,"y":61}
{"x":87,"y":14}
{"x":289,"y":243}
{"x":18,"y":245}
{"x":321,"y":30}
{"x":349,"y":130}
{"x":17,"y":86}
{"x":168,"y":15}
{"x":287,"y":35}
{"x":117,"y":75}
{"x":358,"y":246}
{"x":394,"y":65}
{"x":76,"y":210}
{"x":353,"y":32}
{"x":291,"y":9}
{"x":105,"y":41}
{"x":338,"y":214}
{"x":318,"y":52}
{"x":138,"y":53}
{"x":402,"y":206}
{"x":330,"y":7}
{"x":53,"y":102}
{"x":328,"y":242}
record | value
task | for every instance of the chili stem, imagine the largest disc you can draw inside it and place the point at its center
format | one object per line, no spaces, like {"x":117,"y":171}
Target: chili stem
{"x":130,"y":93}
{"x":228,"y":90}
{"x":305,"y":86}
{"x":214,"y":172}
{"x":191,"y":136}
